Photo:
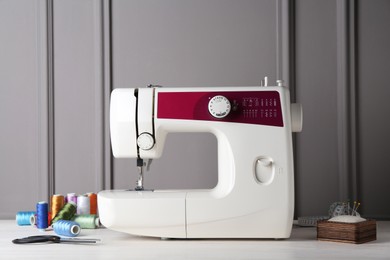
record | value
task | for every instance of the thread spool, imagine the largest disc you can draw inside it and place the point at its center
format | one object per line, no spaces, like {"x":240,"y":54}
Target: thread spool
{"x":57,"y":203}
{"x":23,"y":218}
{"x":66,"y":213}
{"x":83,"y":205}
{"x":42,"y":215}
{"x":87,"y":221}
{"x":71,"y":197}
{"x":93,"y":203}
{"x":66,"y":228}
{"x":33,"y":219}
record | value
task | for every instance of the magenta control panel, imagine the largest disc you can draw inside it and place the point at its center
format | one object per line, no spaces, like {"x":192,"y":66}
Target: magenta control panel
{"x":250,"y":107}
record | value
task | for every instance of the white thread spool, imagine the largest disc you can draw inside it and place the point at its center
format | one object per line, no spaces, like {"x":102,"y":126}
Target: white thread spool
{"x":83,"y":205}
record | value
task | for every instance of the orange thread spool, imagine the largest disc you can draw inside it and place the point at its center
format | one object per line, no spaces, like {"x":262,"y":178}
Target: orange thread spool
{"x":57,"y":203}
{"x":93,"y":202}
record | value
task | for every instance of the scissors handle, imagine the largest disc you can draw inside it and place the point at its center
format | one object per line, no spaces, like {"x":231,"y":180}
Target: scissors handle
{"x":37,"y":239}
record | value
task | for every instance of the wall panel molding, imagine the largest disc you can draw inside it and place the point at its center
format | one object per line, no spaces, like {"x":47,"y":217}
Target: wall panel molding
{"x":285,"y":41}
{"x":285,"y":15}
{"x":50,"y":96}
{"x":99,"y":93}
{"x":103,"y":85}
{"x":45,"y":169}
{"x":347,"y":99}
{"x":107,"y":88}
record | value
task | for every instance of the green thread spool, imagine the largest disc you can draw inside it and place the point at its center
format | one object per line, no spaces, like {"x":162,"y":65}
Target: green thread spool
{"x":66,"y":213}
{"x":87,"y":221}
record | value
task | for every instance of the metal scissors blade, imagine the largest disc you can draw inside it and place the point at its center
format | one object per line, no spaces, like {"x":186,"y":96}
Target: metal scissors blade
{"x":79,"y":240}
{"x":53,"y":239}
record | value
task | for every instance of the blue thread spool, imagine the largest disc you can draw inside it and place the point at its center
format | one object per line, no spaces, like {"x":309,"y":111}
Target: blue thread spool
{"x":66,"y":228}
{"x":23,"y":218}
{"x":42,"y":215}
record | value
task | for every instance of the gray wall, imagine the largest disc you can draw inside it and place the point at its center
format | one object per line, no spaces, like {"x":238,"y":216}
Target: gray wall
{"x":189,"y":43}
{"x":59,"y":60}
{"x":23,"y":118}
{"x":373,"y":127}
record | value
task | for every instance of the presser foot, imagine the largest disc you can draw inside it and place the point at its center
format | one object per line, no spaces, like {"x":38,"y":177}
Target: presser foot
{"x":140,"y":165}
{"x":139,"y":188}
{"x":152,"y":190}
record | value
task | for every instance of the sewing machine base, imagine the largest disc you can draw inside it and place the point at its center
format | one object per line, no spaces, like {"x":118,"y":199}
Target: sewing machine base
{"x":168,"y":214}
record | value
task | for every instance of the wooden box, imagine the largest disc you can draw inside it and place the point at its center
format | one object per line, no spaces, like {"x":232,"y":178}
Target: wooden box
{"x":356,"y":233}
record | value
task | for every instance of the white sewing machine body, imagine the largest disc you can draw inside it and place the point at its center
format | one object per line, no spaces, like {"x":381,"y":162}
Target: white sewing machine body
{"x":254,"y":197}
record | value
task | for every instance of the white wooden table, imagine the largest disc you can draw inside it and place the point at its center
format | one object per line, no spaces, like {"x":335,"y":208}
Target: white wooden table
{"x":115,"y":245}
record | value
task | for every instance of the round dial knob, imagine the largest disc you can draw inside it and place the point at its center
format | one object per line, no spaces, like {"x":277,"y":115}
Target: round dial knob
{"x":145,"y":141}
{"x":219,"y":106}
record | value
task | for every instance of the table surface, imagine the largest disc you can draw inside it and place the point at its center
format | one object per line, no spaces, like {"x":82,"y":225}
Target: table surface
{"x":116,"y":245}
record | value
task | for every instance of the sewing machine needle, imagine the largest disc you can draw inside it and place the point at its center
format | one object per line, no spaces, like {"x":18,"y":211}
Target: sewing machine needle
{"x":140,"y":166}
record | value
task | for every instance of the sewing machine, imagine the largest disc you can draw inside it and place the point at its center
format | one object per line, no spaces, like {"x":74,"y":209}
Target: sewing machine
{"x":254,"y":197}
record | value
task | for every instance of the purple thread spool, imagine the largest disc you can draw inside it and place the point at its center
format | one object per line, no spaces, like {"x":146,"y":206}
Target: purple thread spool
{"x":71,"y":197}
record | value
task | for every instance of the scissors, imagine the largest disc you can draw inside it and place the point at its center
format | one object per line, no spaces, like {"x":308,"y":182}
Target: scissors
{"x":53,"y":239}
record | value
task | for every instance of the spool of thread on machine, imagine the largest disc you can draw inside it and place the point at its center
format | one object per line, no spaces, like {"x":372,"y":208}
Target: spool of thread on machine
{"x":66,"y":213}
{"x":83,"y":205}
{"x":66,"y":228}
{"x":93,"y":203}
{"x":42,"y":215}
{"x":23,"y":218}
{"x":87,"y":221}
{"x":57,"y":203}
